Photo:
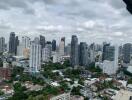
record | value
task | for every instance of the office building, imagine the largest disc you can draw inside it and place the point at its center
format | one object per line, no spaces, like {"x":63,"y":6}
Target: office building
{"x":35,"y":57}
{"x":83,"y":54}
{"x":26,"y":42}
{"x":12,"y":41}
{"x":62,"y":47}
{"x":104,"y":50}
{"x":92,"y":52}
{"x":127,"y":49}
{"x":110,"y":65}
{"x":2,"y":44}
{"x":74,"y":51}
{"x":47,"y":52}
{"x":54,"y":45}
{"x":68,"y":50}
{"x":42,"y":41}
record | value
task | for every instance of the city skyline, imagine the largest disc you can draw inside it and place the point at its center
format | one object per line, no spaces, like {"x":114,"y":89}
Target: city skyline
{"x":91,"y":21}
{"x":65,"y":50}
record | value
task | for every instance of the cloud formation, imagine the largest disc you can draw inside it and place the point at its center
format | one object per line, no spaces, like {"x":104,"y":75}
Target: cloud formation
{"x":91,"y":20}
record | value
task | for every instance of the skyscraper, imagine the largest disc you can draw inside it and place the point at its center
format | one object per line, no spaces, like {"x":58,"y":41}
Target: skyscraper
{"x":62,"y":47}
{"x":74,"y":51}
{"x":104,"y":50}
{"x":2,"y":44}
{"x":42,"y":41}
{"x":127,"y":52}
{"x":68,"y":50}
{"x":35,"y":57}
{"x":26,"y":42}
{"x":109,"y":53}
{"x":110,"y":64}
{"x":16,"y":44}
{"x":46,"y":52}
{"x":83,"y":54}
{"x":12,"y":41}
{"x":92,"y":52}
{"x":54,"y":45}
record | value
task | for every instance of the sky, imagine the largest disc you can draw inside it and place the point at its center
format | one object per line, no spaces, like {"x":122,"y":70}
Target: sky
{"x":90,"y":20}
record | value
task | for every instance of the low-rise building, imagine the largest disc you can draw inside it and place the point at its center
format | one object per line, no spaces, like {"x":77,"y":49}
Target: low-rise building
{"x":77,"y":97}
{"x":123,"y":95}
{"x":64,"y":96}
{"x":5,"y":73}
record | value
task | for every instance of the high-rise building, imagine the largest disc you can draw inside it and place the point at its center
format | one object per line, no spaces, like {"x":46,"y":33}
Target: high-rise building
{"x":83,"y":54}
{"x":12,"y":43}
{"x":92,"y":52}
{"x":42,"y":41}
{"x":109,"y":53}
{"x":36,"y":40}
{"x":127,"y":50}
{"x":2,"y":44}
{"x":68,"y":50}
{"x":110,"y":64}
{"x":20,"y":50}
{"x":62,"y":47}
{"x":16,"y":44}
{"x":26,"y":42}
{"x":104,"y":50}
{"x":54,"y":45}
{"x":35,"y":57}
{"x":47,"y":52}
{"x":23,"y":46}
{"x":74,"y":51}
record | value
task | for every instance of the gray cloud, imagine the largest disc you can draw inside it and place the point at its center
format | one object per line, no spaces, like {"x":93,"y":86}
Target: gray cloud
{"x":22,"y":4}
{"x":97,"y":19}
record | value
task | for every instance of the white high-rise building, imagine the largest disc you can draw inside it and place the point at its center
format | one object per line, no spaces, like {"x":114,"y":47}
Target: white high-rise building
{"x":111,"y":67}
{"x":23,"y":45}
{"x":46,"y":53}
{"x":35,"y":57}
{"x":20,"y":50}
{"x":26,"y":42}
{"x":62,"y":48}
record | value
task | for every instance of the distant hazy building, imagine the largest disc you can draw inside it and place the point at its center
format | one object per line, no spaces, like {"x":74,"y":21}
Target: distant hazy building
{"x":54,"y":45}
{"x":68,"y":50}
{"x":127,"y":49}
{"x":20,"y":50}
{"x":46,"y":53}
{"x":74,"y":51}
{"x":62,"y":47}
{"x":2,"y":44}
{"x":36,"y":40}
{"x":26,"y":41}
{"x":42,"y":41}
{"x":23,"y":46}
{"x":35,"y":57}
{"x":83,"y":54}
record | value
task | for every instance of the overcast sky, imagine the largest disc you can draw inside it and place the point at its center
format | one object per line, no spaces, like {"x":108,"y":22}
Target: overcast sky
{"x":90,"y":20}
